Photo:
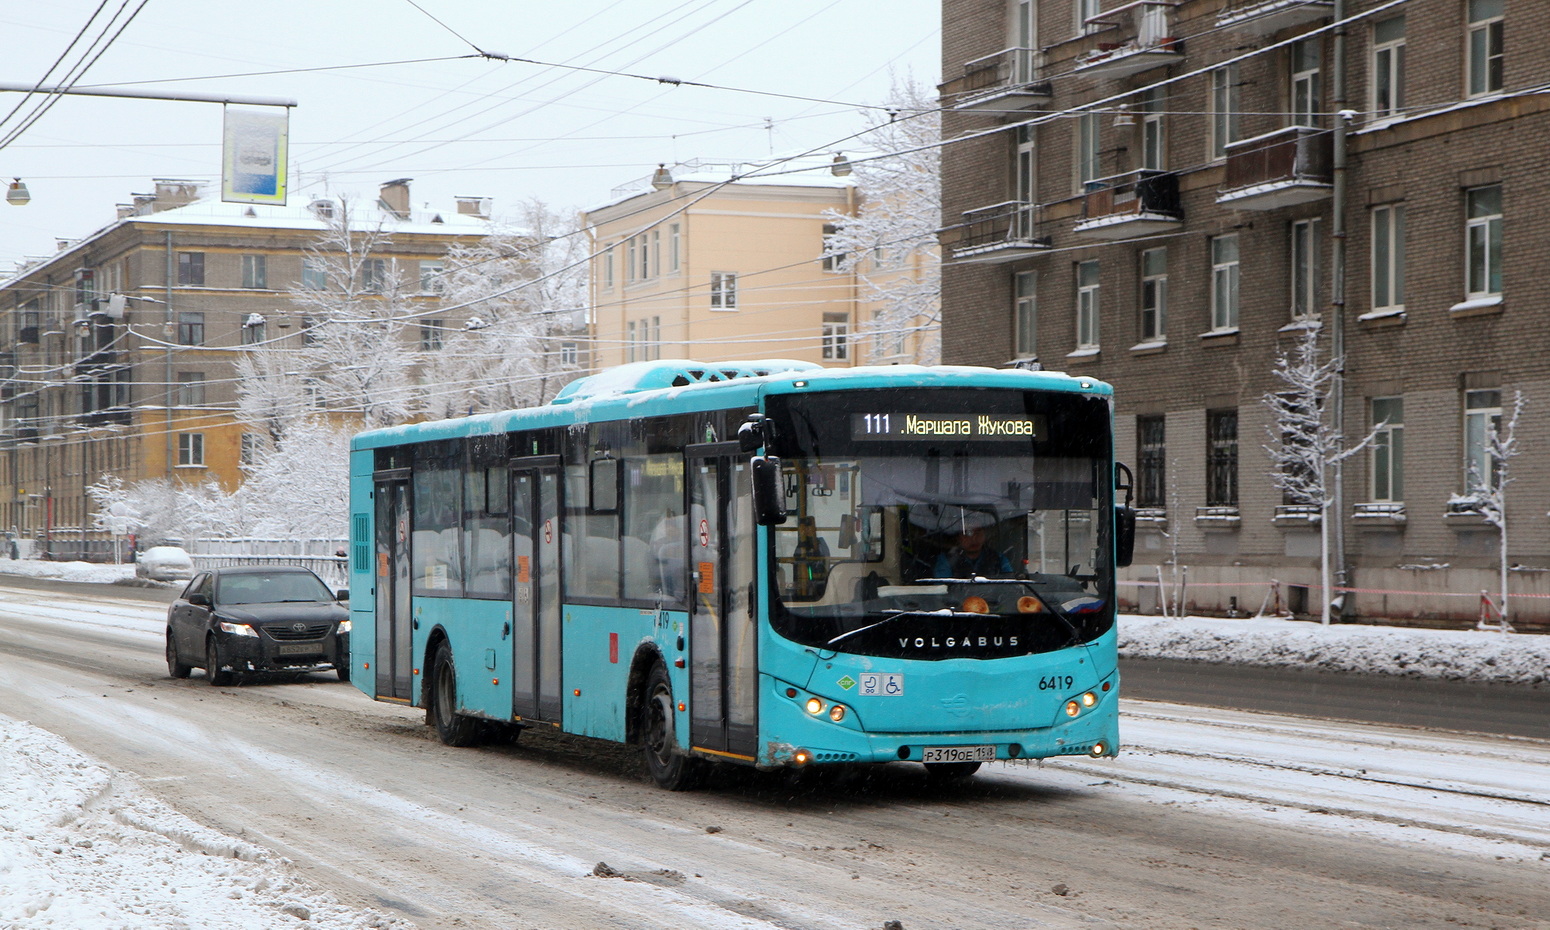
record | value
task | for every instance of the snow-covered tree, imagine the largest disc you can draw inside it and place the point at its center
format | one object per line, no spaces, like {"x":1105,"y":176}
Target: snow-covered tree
{"x":891,"y":241}
{"x":522,"y":292}
{"x":1305,"y":445}
{"x":360,"y":358}
{"x":298,"y":489}
{"x":1487,"y":494}
{"x":162,"y":509}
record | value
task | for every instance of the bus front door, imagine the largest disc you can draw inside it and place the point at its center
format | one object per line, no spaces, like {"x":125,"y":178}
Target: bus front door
{"x":723,"y":630}
{"x":535,"y":607}
{"x":395,"y":646}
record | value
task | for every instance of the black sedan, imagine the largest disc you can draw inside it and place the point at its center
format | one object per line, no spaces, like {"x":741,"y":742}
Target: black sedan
{"x":257,"y":619}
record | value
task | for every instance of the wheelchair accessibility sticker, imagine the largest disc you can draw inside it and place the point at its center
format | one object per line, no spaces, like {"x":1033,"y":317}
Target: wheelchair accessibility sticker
{"x":881,"y":685}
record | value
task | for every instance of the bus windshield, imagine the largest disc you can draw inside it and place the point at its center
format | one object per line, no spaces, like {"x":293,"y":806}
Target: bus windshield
{"x":975,"y":527}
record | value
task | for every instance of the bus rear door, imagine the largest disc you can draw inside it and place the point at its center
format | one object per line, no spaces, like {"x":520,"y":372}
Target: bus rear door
{"x":395,"y":645}
{"x":724,"y":669}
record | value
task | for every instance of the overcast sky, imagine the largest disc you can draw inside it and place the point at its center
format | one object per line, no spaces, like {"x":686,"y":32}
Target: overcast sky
{"x":505,"y":130}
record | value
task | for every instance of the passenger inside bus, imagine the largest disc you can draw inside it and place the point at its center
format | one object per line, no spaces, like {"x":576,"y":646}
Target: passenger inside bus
{"x":810,"y":560}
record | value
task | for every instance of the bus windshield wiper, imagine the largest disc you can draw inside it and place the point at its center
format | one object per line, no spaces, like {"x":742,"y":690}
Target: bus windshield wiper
{"x":947,"y":612}
{"x":1028,"y":584}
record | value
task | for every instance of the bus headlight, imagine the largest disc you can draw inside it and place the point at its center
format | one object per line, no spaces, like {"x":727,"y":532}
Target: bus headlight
{"x":1073,"y":708}
{"x":814,"y":706}
{"x":837,"y":713}
{"x":1089,"y":699}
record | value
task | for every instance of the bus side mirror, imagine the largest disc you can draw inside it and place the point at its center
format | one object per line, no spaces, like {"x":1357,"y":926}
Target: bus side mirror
{"x":753,"y":432}
{"x":1124,"y":518}
{"x":1124,"y":535}
{"x":769,"y":495}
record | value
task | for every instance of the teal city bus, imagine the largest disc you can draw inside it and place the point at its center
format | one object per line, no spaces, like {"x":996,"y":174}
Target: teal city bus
{"x":768,"y":564}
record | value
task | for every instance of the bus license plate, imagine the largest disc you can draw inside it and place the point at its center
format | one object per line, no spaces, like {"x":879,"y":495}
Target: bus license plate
{"x":958,"y":754}
{"x":300,"y":649}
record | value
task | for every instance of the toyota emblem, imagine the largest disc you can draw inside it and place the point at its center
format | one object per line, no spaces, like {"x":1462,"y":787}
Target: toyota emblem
{"x":298,"y":627}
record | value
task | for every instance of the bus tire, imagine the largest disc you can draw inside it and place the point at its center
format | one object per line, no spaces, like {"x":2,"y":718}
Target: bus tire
{"x":454,"y":728}
{"x":950,"y":770}
{"x":670,"y":768}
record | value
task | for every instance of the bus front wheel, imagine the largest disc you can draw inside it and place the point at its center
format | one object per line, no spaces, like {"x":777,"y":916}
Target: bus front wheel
{"x":669,"y":767}
{"x":454,"y":728}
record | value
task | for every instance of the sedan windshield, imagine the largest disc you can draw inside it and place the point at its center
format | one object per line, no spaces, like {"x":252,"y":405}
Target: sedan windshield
{"x":949,"y":548}
{"x":271,"y":588}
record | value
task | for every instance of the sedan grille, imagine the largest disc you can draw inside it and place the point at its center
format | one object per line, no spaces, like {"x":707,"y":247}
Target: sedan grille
{"x":294,"y":632}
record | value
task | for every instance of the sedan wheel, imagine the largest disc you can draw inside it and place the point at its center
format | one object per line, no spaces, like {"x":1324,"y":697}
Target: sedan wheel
{"x":213,"y":662}
{"x":175,"y":666}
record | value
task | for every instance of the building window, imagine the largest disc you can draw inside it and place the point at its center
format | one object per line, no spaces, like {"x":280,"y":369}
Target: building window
{"x":1221,"y":458}
{"x":608,"y":268}
{"x":833,"y":254}
{"x":674,"y":247}
{"x":1305,"y":269}
{"x":191,"y":449}
{"x":631,"y":249}
{"x":836,"y":336}
{"x":255,"y":271}
{"x":254,"y":329}
{"x":314,"y":277}
{"x":723,"y":290}
{"x":1224,"y":282}
{"x":432,"y":276}
{"x":1388,"y":449}
{"x":1388,"y":67}
{"x":374,"y":275}
{"x":1088,"y":151}
{"x":1151,"y":462}
{"x":191,"y":269}
{"x":191,"y":389}
{"x":1025,"y":40}
{"x":644,"y":271}
{"x":247,"y":453}
{"x":1086,"y":10}
{"x":1388,"y":258}
{"x":569,"y":355}
{"x":191,"y":328}
{"x":1485,"y":46}
{"x":1307,"y":95}
{"x":1154,"y":294}
{"x":1153,"y":149}
{"x":1483,"y":241}
{"x":1087,"y":305}
{"x":431,"y":334}
{"x":1025,"y":314}
{"x":309,"y":336}
{"x":1482,"y":420}
{"x":652,"y":331}
{"x":1224,"y":109}
{"x":1025,"y":160}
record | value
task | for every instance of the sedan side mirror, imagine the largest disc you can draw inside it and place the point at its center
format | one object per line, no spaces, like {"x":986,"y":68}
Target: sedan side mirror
{"x":199,"y":600}
{"x":343,"y":594}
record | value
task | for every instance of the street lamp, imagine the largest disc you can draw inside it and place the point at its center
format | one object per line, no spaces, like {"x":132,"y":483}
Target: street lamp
{"x":17,"y":194}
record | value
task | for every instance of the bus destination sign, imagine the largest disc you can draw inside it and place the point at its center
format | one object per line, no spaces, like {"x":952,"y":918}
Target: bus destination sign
{"x":970,"y":426}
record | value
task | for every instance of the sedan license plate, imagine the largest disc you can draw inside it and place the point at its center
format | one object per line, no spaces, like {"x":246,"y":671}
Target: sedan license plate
{"x":300,"y":649}
{"x":958,"y":754}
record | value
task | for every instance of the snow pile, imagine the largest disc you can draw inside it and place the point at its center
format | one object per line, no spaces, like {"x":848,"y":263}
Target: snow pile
{"x":1263,"y":641}
{"x":83,"y":848}
{"x":89,"y":572}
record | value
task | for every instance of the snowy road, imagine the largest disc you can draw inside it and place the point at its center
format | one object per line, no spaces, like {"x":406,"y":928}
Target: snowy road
{"x":1209,"y":818}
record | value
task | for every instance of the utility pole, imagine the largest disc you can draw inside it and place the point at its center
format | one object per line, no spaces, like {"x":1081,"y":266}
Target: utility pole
{"x":1337,"y":235}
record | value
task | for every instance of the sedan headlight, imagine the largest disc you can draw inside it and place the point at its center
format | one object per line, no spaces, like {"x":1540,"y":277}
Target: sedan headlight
{"x":236,"y":629}
{"x":343,"y":627}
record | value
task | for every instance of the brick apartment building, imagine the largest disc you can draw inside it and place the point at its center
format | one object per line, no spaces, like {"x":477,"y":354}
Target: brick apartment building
{"x":118,"y":352}
{"x":1151,"y":192}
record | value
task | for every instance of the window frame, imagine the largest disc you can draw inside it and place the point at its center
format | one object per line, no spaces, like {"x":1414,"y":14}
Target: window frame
{"x":1483,"y":232}
{"x":1386,"y":483}
{"x":1388,"y":262}
{"x":1222,"y":458}
{"x":835,"y":342}
{"x":191,"y":269}
{"x":1485,"y":63}
{"x":191,"y":328}
{"x":191,"y":389}
{"x":1482,"y":414}
{"x":1225,"y":123}
{"x":1151,"y":460}
{"x":1388,"y":69}
{"x":1152,"y":307}
{"x":255,"y":271}
{"x":723,"y":290}
{"x":1225,"y":278}
{"x":1306,"y":269}
{"x":1306,"y":58}
{"x":191,"y":450}
{"x":1154,"y":140}
{"x":1088,"y":294}
{"x":1025,"y":314}
{"x":1089,"y":150}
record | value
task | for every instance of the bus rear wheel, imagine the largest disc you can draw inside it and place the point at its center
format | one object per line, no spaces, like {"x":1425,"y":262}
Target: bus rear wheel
{"x":453,"y":728}
{"x":669,"y":767}
{"x":950,"y":770}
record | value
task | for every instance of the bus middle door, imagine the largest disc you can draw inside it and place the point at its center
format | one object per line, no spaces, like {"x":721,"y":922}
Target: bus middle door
{"x":535,"y":607}
{"x":723,"y":628}
{"x":395,"y":633}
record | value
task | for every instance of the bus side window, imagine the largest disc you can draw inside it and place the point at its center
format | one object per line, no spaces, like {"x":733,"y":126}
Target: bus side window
{"x":653,"y":538}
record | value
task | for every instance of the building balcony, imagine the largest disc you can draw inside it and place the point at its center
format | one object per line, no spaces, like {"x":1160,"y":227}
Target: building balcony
{"x":1000,"y":82}
{"x":1137,"y":203}
{"x":1297,"y":515}
{"x":1278,"y":169}
{"x":1134,"y":37}
{"x":1002,"y":232}
{"x":1265,"y":17}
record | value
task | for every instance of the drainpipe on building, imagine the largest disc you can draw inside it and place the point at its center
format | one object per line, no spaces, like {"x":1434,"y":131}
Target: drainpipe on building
{"x":1337,"y":233}
{"x":169,"y":332}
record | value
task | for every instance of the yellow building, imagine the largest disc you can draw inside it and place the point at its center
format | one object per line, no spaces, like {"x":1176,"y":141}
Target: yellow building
{"x":117,"y":353}
{"x":692,"y":263}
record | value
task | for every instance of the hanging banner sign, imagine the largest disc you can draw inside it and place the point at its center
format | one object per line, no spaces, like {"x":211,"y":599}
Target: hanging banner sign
{"x":254,"y":156}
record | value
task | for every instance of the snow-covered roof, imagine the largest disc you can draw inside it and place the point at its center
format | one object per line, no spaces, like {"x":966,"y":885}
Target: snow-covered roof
{"x":809,"y":171}
{"x":301,"y":214}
